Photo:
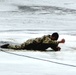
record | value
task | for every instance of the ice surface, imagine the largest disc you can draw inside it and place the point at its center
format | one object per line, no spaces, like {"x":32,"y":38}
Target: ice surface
{"x":24,"y":19}
{"x":16,"y":65}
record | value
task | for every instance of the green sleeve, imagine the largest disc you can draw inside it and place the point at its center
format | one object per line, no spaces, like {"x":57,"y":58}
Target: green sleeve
{"x":53,"y":42}
{"x":47,"y":40}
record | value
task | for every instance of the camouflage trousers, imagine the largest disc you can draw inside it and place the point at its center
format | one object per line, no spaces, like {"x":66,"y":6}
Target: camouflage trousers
{"x":29,"y":44}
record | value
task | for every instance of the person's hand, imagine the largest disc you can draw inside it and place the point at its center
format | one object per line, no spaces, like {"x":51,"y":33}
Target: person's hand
{"x":63,"y":41}
{"x":57,"y":48}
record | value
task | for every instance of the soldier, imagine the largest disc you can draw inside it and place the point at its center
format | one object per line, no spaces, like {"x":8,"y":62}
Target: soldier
{"x":40,"y":43}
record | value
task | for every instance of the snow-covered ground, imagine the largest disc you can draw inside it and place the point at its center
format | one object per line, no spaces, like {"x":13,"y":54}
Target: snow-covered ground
{"x":24,"y":19}
{"x":19,"y":65}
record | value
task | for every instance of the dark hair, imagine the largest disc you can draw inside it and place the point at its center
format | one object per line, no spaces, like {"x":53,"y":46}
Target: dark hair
{"x":56,"y":35}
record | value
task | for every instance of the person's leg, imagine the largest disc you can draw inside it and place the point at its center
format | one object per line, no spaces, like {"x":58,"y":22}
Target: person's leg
{"x":21,"y":46}
{"x":11,"y":46}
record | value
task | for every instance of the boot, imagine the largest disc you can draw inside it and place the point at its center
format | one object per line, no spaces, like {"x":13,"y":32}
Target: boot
{"x":5,"y":46}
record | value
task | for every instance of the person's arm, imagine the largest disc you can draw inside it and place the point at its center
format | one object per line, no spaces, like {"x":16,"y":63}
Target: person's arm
{"x":55,"y":46}
{"x":58,"y":48}
{"x":61,"y":41}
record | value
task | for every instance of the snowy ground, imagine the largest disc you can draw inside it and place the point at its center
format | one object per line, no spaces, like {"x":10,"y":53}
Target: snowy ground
{"x":24,"y":19}
{"x":18,"y":65}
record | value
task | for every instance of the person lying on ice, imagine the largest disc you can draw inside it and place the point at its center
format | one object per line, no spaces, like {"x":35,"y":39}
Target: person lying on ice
{"x":41,"y":43}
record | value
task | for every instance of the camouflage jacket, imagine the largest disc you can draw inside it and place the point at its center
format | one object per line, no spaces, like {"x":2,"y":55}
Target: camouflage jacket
{"x":36,"y":43}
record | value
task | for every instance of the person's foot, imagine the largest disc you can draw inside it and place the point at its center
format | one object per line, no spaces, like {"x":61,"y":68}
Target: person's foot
{"x":5,"y":46}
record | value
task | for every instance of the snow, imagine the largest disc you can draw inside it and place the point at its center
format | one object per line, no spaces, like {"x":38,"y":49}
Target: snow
{"x":17,"y":25}
{"x":61,"y":3}
{"x":17,"y":65}
{"x":13,"y":64}
{"x":22,"y":65}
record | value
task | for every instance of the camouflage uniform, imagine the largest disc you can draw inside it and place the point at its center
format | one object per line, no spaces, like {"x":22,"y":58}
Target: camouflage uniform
{"x":40,"y":43}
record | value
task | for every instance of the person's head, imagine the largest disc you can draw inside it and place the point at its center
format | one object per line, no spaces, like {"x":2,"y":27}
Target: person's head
{"x":55,"y":36}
